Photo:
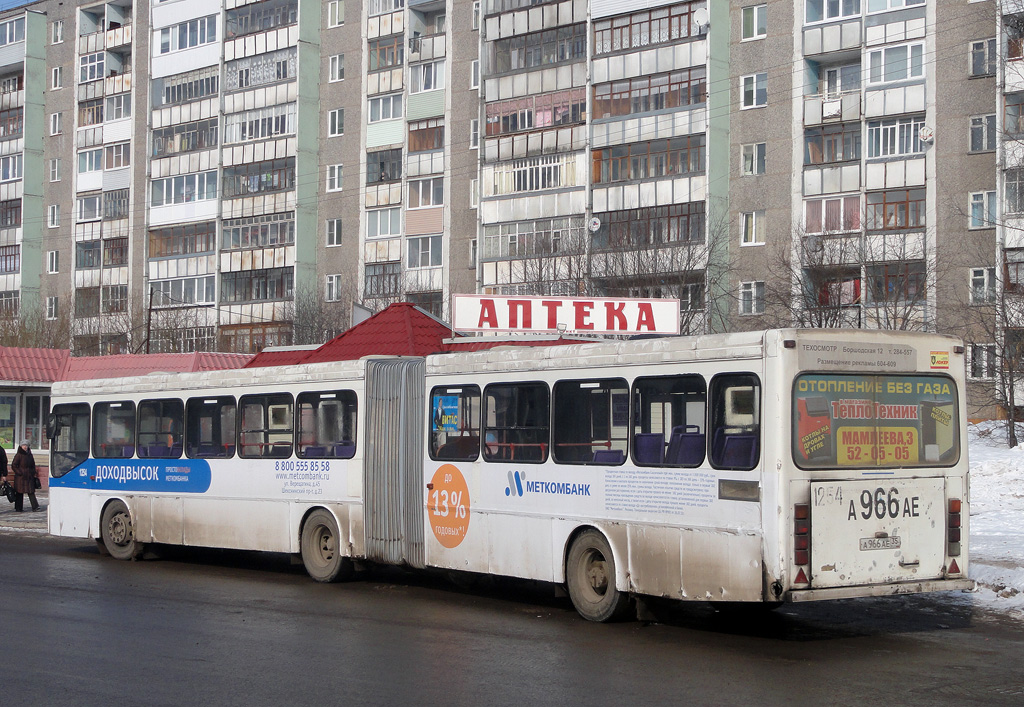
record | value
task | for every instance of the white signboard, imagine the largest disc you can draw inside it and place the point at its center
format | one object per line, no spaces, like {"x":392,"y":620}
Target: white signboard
{"x":839,"y":356}
{"x":552,"y":315}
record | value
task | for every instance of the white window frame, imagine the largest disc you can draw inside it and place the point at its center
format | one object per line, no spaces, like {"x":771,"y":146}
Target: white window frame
{"x":332,"y":289}
{"x":336,"y":68}
{"x":11,"y":167}
{"x":335,"y":13}
{"x":983,"y":285}
{"x":985,"y":127}
{"x":335,"y":177}
{"x":333,"y":232}
{"x":373,"y":216}
{"x":186,"y":35}
{"x":476,"y":14}
{"x":751,"y":298}
{"x":433,"y":251}
{"x":55,"y":169}
{"x":390,"y":101}
{"x":890,"y":137}
{"x":90,"y":160}
{"x":432,"y":72}
{"x":886,"y":5}
{"x":474,"y":193}
{"x":752,"y":158}
{"x":474,"y":134}
{"x":56,"y":78}
{"x":844,"y":8}
{"x":88,"y":208}
{"x":51,"y":308}
{"x":117,"y":107}
{"x":982,"y":209}
{"x":474,"y":74}
{"x":117,"y":155}
{"x":988,"y":50}
{"x":758,"y":16}
{"x":90,"y":67}
{"x":752,"y":227}
{"x":883,"y":60}
{"x":423,"y":190}
{"x":53,"y":216}
{"x":757,"y":85}
{"x":57,"y":32}
{"x":56,"y":123}
{"x":336,"y":122}
{"x":52,"y":262}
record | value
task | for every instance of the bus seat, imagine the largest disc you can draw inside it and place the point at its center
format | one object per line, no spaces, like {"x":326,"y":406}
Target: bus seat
{"x":280,"y":450}
{"x":739,"y":451}
{"x":175,"y":451}
{"x":344,"y":450}
{"x":609,"y":456}
{"x":648,"y":447}
{"x":314,"y":451}
{"x":685,"y":448}
{"x":158,"y":450}
{"x":128,"y":450}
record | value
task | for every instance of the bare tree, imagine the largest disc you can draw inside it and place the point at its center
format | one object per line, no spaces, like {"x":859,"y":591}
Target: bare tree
{"x":30,"y":328}
{"x":315,"y":320}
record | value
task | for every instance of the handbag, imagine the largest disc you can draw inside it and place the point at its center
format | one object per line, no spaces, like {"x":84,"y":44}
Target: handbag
{"x":7,"y":490}
{"x":36,"y":482}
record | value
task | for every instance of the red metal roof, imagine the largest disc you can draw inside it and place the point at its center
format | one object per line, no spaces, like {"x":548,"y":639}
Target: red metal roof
{"x":280,"y":356}
{"x":124,"y":365}
{"x":24,"y":365}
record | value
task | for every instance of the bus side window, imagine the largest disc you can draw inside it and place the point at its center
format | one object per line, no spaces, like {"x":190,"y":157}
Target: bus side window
{"x":454,"y":421}
{"x":160,"y":428}
{"x":669,"y":420}
{"x":516,"y":422}
{"x":113,"y":429}
{"x":210,"y":427}
{"x":735,"y":421}
{"x":265,"y":428}
{"x":591,"y":421}
{"x":70,"y":446}
{"x":327,"y":424}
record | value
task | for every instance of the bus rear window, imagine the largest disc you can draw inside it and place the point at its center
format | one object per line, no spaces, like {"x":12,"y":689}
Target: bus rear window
{"x":874,"y":421}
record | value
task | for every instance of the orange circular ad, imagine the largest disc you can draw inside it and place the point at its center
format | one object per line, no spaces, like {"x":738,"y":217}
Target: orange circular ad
{"x":448,"y":506}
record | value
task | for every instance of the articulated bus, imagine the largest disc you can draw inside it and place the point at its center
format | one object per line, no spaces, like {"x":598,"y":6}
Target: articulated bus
{"x":769,"y":467}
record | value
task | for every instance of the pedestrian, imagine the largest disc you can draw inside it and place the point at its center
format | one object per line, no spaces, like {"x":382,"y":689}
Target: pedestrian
{"x":24,"y":467}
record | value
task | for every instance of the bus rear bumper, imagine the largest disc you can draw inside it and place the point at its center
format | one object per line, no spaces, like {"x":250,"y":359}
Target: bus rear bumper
{"x":881,"y":590}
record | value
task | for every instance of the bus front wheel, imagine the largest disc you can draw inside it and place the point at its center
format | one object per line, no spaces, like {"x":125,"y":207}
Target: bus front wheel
{"x":590,"y":577}
{"x":320,"y":549}
{"x":118,"y":532}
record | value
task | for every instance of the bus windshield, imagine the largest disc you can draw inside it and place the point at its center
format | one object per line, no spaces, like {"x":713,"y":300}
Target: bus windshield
{"x":874,"y":421}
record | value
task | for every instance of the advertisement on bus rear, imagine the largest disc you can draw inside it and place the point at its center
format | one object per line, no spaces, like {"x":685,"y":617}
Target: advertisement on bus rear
{"x":844,"y":421}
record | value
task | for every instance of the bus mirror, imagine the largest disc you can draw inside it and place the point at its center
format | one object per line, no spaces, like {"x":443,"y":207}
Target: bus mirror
{"x":52,"y":426}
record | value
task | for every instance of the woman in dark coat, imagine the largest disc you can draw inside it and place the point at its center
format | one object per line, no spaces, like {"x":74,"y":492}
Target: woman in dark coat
{"x":24,"y":467}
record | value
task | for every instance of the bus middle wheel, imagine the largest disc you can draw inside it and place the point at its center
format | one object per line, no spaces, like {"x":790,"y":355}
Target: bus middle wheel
{"x":320,"y":548}
{"x":590,"y":577}
{"x":118,"y":533}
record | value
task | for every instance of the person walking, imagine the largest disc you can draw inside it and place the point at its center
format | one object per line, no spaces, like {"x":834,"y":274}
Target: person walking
{"x":25,"y":476}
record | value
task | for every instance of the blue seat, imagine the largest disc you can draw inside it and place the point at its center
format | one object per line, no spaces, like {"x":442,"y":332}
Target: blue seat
{"x":649,"y":447}
{"x":313,"y":451}
{"x":609,"y":456}
{"x":280,"y":450}
{"x":344,"y":450}
{"x":685,"y":447}
{"x":739,"y":452}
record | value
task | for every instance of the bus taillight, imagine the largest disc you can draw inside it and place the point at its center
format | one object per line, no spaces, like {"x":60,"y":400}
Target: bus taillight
{"x":953,"y":527}
{"x":802,"y":538}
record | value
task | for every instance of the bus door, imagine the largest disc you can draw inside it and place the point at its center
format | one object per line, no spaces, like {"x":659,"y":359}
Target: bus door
{"x":393,"y":461}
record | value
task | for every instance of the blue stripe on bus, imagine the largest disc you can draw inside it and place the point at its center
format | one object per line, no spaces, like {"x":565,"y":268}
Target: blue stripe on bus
{"x":173,"y":475}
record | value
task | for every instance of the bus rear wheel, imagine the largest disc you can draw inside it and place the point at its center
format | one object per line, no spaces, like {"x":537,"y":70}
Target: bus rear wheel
{"x":590,"y":577}
{"x":320,"y":549}
{"x":118,"y":532}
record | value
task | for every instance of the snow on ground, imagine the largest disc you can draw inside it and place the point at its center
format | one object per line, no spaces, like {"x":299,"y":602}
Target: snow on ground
{"x":997,"y":518}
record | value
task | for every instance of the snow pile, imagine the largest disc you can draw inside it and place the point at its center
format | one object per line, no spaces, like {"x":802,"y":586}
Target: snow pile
{"x":997,"y":517}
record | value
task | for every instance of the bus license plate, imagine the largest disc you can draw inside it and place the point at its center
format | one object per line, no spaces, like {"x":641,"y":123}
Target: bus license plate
{"x":890,"y":543}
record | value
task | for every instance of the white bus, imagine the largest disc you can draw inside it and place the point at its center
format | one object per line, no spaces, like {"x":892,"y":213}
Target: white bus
{"x":776,"y":466}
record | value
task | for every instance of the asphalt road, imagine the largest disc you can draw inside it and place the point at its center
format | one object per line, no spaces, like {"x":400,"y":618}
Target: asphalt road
{"x":232,"y":628}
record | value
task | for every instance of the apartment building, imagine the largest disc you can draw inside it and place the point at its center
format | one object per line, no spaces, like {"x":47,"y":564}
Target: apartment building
{"x":192,"y":175}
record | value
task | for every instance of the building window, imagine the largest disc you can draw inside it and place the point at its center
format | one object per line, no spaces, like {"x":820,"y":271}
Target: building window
{"x":983,"y":58}
{"x":53,"y":216}
{"x":10,"y":301}
{"x":200,"y":135}
{"x":119,"y":106}
{"x":983,"y":210}
{"x":426,"y":135}
{"x":474,"y":133}
{"x":55,"y":169}
{"x":383,"y":223}
{"x":56,"y":123}
{"x":754,"y":90}
{"x":10,"y":213}
{"x":752,"y":298}
{"x":184,"y":188}
{"x":10,"y":168}
{"x":896,"y":282}
{"x":12,"y":123}
{"x":57,"y":77}
{"x":386,"y":53}
{"x":383,"y":166}
{"x":181,"y":240}
{"x":983,"y":285}
{"x":10,"y":259}
{"x":259,"y":178}
{"x":895,"y":136}
{"x":184,"y":291}
{"x":755,"y":22}
{"x":834,"y":81}
{"x":90,"y":160}
{"x":88,"y":254}
{"x":426,"y":77}
{"x":57,"y":32}
{"x":524,"y":238}
{"x":821,"y":10}
{"x":474,"y":74}
{"x":983,"y":133}
{"x":1013,"y":180}
{"x":335,"y":13}
{"x":259,"y":17}
{"x":474,"y":193}
{"x":643,"y":94}
{"x":271,"y":285}
{"x":189,"y":86}
{"x":382,"y":279}
{"x":263,"y":231}
{"x":643,"y":29}
{"x":832,"y":143}
{"x":834,"y":215}
{"x":546,"y":110}
{"x":88,"y":208}
{"x":337,"y":68}
{"x":653,"y":225}
{"x":752,"y":158}
{"x":531,"y":51}
{"x":983,"y":361}
{"x":752,"y":228}
{"x":883,"y":5}
{"x":114,"y":298}
{"x":115,"y":204}
{"x":336,"y":119}
{"x":51,"y":308}
{"x":90,"y":67}
{"x":386,"y":108}
{"x":472,"y":254}
{"x":186,"y":35}
{"x":115,"y":156}
{"x":333,"y":290}
{"x":256,"y":124}
{"x":52,"y":262}
{"x":424,"y":252}
{"x":649,"y":160}
{"x":260,"y":69}
{"x":335,"y":177}
{"x":333,"y":231}
{"x":895,"y":209}
{"x":476,"y":14}
{"x":426,"y":192}
{"x":896,"y":63}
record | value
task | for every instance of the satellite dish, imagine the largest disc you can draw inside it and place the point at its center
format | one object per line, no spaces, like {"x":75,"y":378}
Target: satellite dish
{"x":925,"y":134}
{"x":701,"y":18}
{"x":595,"y":224}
